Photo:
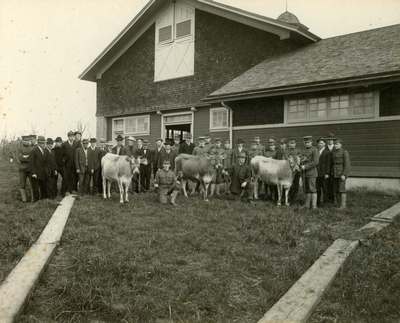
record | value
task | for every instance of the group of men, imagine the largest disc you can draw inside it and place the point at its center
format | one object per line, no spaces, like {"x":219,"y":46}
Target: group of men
{"x":323,"y":168}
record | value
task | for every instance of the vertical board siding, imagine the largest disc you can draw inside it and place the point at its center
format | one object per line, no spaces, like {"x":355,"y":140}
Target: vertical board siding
{"x":374,"y":147}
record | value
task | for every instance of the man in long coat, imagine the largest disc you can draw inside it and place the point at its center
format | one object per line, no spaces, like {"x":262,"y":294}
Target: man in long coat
{"x":241,"y":178}
{"x":68,"y":164}
{"x":37,"y":166}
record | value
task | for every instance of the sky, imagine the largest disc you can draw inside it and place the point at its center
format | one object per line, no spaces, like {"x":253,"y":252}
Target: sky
{"x":46,"y":44}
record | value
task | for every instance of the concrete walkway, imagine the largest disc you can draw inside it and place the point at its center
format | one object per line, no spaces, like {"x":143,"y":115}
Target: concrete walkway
{"x":15,"y":289}
{"x":301,"y":299}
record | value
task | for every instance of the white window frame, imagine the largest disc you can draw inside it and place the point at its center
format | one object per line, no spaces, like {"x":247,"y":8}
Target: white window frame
{"x":126,"y":133}
{"x":222,"y":128}
{"x":176,"y":37}
{"x":168,"y":41}
{"x":355,"y":118}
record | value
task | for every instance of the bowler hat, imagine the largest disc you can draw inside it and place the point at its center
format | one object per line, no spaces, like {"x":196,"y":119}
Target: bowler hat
{"x":307,"y":138}
{"x":41,"y":139}
{"x":321,"y":139}
{"x":49,"y":141}
{"x":85,"y":141}
{"x":92,"y":140}
{"x":70,"y":133}
{"x":119,"y":138}
{"x":78,"y":132}
{"x":58,"y":139}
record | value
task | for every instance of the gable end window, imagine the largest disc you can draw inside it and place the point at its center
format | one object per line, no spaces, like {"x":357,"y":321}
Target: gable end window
{"x":331,"y":108}
{"x":165,"y":34}
{"x":183,"y":29}
{"x":218,"y":119}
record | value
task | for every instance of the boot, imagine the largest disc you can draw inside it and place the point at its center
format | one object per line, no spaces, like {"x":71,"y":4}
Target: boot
{"x":343,"y":201}
{"x":23,"y":195}
{"x":314,"y":201}
{"x":173,"y":197}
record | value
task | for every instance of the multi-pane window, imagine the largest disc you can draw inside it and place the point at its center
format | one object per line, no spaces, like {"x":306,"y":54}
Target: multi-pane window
{"x":347,"y":106}
{"x":165,"y":34}
{"x":183,"y":28}
{"x":138,"y":125}
{"x":218,"y":119}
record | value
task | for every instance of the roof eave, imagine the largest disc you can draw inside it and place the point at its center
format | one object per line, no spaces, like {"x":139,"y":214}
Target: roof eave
{"x":306,"y":87}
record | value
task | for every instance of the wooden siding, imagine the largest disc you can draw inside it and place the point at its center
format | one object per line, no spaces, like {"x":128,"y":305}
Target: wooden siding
{"x":374,"y":147}
{"x":202,"y":125}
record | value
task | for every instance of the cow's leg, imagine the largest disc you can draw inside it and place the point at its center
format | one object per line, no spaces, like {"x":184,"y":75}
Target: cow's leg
{"x":206,"y":185}
{"x":184,"y":181}
{"x":256,"y":188}
{"x":127,"y":184}
{"x":104,"y":188}
{"x":287,"y":189}
{"x":279,"y":187}
{"x":109,"y":189}
{"x":121,"y":191}
{"x":212,"y":189}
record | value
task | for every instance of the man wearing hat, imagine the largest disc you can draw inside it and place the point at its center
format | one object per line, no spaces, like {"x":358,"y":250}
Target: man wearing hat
{"x":227,"y":165}
{"x":330,"y":144}
{"x":94,"y":159}
{"x":77,"y":144}
{"x":186,"y":147}
{"x":281,"y":153}
{"x":177,"y":142}
{"x":38,"y":167}
{"x":271,"y":150}
{"x":241,"y":178}
{"x":130,"y":147}
{"x":119,"y":149}
{"x":341,"y":171}
{"x":68,"y":152}
{"x":201,"y":150}
{"x":51,"y":169}
{"x":144,"y":153}
{"x":166,"y":183}
{"x":103,"y":150}
{"x":324,"y":171}
{"x":294,"y":152}
{"x":82,"y":167}
{"x":207,"y":145}
{"x":309,"y":165}
{"x":217,"y":156}
{"x":239,"y":151}
{"x":58,"y":155}
{"x":156,"y":158}
{"x":168,"y":154}
{"x":24,"y":152}
{"x":260,"y":147}
{"x":271,"y":191}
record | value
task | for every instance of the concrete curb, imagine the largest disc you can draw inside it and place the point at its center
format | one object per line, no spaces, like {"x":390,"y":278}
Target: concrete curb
{"x":15,"y":289}
{"x":300,"y":300}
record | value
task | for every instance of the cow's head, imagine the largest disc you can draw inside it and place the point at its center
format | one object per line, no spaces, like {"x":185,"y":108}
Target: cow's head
{"x":294,"y":162}
{"x":135,"y":164}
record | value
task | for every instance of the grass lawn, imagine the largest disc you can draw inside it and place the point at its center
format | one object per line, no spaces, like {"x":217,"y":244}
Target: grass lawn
{"x":368,"y":287}
{"x":218,"y":262}
{"x":20,"y":223}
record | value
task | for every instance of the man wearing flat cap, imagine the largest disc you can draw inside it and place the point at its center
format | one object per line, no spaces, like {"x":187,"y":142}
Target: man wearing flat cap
{"x":145,"y":155}
{"x":330,"y":145}
{"x":324,"y":171}
{"x":217,"y":156}
{"x":186,"y":147}
{"x":51,"y":168}
{"x":168,"y":154}
{"x":38,"y":169}
{"x":68,"y":153}
{"x":119,"y":149}
{"x":24,"y":152}
{"x":157,"y":153}
{"x":341,"y":171}
{"x":294,"y":152}
{"x":130,"y":146}
{"x":201,"y":149}
{"x":260,"y":147}
{"x":309,"y":164}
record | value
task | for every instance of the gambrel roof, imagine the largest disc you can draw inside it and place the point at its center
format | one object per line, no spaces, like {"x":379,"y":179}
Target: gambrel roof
{"x":146,"y":17}
{"x":368,"y":56}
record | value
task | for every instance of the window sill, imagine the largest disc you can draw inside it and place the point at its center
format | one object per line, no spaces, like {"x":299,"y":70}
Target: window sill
{"x":219,"y":129}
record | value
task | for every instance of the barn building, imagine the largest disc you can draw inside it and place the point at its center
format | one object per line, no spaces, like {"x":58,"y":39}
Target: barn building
{"x":205,"y":68}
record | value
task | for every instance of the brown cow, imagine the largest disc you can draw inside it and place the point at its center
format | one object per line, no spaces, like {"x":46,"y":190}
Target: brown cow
{"x":195,"y":168}
{"x":120,"y":169}
{"x":272,"y":171}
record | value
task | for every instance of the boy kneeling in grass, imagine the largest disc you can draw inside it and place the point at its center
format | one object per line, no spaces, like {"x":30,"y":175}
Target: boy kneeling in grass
{"x":166,"y":183}
{"x":241,"y":179}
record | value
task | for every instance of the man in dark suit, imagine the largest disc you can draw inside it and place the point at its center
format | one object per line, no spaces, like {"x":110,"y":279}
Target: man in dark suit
{"x":51,"y":170}
{"x":186,"y":147}
{"x":68,"y":152}
{"x":143,"y":152}
{"x":330,"y":139}
{"x":82,"y":167}
{"x":93,"y":157}
{"x":324,"y":171}
{"x":119,"y":149}
{"x":37,"y":166}
{"x":77,"y":145}
{"x":58,"y":155}
{"x":168,"y":154}
{"x":158,"y":151}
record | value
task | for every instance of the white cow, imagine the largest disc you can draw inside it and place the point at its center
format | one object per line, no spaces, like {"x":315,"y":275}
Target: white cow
{"x":121,"y":170}
{"x":272,"y":171}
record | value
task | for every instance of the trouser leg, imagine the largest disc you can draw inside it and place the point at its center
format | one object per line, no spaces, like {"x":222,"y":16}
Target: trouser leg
{"x":174,"y":194}
{"x":35,"y":189}
{"x":294,"y":189}
{"x":320,"y":183}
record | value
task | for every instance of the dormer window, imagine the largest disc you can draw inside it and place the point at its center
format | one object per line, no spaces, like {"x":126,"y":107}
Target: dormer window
{"x":183,"y":29}
{"x":165,"y":34}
